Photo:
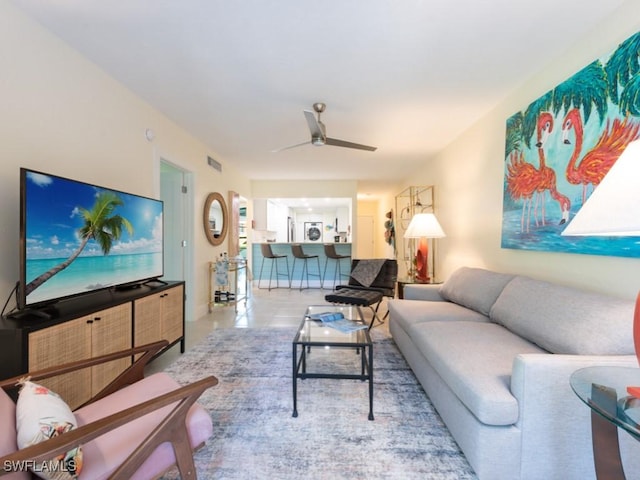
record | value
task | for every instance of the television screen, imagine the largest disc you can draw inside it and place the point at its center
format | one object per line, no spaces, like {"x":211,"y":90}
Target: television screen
{"x":77,"y":238}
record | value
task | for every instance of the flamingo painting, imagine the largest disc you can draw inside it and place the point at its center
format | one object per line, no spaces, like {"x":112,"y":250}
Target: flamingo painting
{"x":522,"y":179}
{"x":547,"y":176}
{"x":528,"y":183}
{"x":579,"y":129}
{"x":598,"y":161}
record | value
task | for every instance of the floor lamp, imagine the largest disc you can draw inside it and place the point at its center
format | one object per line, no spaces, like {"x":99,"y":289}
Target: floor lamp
{"x":422,"y":227}
{"x":613,"y":210}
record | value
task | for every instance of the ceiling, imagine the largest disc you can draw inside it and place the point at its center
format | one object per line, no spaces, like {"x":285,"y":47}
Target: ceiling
{"x":406,"y":76}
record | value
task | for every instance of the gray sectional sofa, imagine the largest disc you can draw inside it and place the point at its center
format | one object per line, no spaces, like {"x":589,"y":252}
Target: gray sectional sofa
{"x":494,"y":353}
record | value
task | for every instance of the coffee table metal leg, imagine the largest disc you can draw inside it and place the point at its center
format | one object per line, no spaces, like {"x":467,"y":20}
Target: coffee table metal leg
{"x":303,"y":360}
{"x":295,"y":382}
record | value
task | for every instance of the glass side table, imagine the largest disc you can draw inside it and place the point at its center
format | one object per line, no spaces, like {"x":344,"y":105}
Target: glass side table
{"x":410,"y":280}
{"x":604,"y":390}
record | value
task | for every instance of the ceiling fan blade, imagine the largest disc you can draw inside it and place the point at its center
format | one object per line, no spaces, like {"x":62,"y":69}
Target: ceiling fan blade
{"x":319,"y":135}
{"x":342,"y":143}
{"x":290,"y":146}
{"x":314,"y":125}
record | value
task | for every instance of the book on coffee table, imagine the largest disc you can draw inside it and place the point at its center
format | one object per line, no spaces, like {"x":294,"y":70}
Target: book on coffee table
{"x":336,"y":320}
{"x":326,"y":316}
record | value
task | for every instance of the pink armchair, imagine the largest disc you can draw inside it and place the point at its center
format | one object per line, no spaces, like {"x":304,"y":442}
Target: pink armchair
{"x":136,"y":428}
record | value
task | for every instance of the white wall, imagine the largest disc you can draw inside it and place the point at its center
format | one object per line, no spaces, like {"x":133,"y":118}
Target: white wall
{"x":304,"y":188}
{"x":63,"y":115}
{"x":468,"y":176}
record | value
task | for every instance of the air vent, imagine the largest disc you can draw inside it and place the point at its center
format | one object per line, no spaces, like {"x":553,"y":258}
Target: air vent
{"x":214,"y":164}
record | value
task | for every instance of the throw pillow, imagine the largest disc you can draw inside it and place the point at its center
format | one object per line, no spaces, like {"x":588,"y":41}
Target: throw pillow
{"x":40,"y":415}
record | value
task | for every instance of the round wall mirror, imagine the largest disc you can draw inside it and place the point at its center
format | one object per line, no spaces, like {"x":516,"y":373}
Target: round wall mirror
{"x":215,"y":219}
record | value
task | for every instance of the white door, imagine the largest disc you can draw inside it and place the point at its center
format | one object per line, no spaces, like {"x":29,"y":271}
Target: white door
{"x":176,"y":193}
{"x":364,"y":235}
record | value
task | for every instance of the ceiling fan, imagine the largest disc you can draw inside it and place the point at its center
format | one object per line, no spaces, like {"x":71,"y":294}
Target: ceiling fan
{"x":319,"y":133}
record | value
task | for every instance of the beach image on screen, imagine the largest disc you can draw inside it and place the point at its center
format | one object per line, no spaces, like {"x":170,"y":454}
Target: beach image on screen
{"x":80,"y":237}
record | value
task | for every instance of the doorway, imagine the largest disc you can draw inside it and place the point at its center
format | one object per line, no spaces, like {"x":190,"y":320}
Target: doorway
{"x":176,"y":191}
{"x":365,"y":242}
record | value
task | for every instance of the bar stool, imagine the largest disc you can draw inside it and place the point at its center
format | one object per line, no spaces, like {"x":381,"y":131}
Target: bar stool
{"x":268,"y":253}
{"x":330,"y":253}
{"x":298,"y":254}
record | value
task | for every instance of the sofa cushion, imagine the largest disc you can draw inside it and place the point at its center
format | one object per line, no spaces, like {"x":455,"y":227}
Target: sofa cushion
{"x":474,"y":288}
{"x":104,"y":454}
{"x":409,"y":312}
{"x":475,"y":360}
{"x":8,"y":433}
{"x":566,"y":320}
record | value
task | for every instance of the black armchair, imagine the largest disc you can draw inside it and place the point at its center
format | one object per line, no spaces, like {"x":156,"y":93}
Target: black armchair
{"x":370,"y":281}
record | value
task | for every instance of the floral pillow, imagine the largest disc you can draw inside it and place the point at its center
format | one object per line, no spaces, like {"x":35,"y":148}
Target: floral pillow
{"x":40,"y":415}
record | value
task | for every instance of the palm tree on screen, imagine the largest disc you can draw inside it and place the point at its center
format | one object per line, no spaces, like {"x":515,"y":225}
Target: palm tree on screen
{"x":100,"y":224}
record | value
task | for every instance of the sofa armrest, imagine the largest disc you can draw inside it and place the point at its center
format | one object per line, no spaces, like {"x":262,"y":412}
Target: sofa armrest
{"x":538,"y":380}
{"x":554,"y":422}
{"x":428,"y":292}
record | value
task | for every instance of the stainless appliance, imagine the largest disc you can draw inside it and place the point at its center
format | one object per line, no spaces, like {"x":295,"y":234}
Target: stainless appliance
{"x":291,"y":230}
{"x":313,"y":231}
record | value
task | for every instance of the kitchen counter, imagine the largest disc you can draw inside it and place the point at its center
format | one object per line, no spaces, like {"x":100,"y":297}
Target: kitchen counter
{"x":309,"y":248}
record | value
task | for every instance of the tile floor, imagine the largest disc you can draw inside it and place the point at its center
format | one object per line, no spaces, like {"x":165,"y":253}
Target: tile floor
{"x":263,"y":308}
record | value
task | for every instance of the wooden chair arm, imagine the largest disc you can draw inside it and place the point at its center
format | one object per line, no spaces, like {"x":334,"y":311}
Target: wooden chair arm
{"x":168,"y":430}
{"x":131,"y":374}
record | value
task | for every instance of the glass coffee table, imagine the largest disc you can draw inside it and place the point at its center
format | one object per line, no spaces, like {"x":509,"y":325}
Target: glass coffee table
{"x":316,"y":334}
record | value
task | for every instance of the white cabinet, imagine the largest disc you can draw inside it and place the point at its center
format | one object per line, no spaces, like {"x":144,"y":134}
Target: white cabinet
{"x":343,"y":219}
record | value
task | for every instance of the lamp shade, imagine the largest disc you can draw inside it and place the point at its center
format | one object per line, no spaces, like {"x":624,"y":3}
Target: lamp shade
{"x":424,"y":225}
{"x":613,"y":209}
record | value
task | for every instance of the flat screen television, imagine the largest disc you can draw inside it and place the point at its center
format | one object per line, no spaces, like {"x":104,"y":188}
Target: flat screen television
{"x":77,"y":238}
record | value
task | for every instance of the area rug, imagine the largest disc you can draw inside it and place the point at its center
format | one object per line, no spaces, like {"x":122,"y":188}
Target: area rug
{"x":256,"y":437}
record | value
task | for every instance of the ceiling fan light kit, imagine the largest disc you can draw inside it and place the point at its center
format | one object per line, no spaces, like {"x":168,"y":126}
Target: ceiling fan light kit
{"x":319,"y":133}
{"x":319,"y":107}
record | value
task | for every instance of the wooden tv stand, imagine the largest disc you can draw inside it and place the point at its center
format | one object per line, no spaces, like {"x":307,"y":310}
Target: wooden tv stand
{"x":94,"y":324}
